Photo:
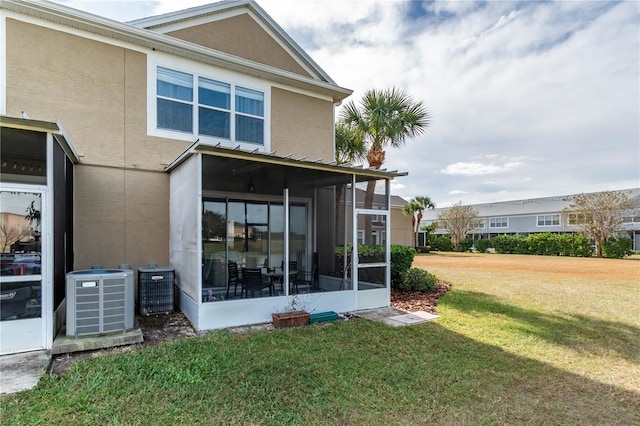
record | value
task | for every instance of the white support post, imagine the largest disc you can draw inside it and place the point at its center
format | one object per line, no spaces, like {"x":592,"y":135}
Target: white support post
{"x":285,"y":263}
{"x":354,"y":239}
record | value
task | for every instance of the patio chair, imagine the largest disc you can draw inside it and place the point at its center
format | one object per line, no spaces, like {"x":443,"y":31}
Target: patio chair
{"x":233,"y":277}
{"x":304,"y":278}
{"x":252,"y":281}
{"x":293,"y":266}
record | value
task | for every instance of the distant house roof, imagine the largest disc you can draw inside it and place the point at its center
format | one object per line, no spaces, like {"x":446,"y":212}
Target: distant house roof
{"x":148,"y":38}
{"x":528,"y":206}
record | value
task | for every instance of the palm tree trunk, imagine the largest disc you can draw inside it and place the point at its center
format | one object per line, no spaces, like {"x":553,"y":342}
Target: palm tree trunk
{"x":375,"y":157}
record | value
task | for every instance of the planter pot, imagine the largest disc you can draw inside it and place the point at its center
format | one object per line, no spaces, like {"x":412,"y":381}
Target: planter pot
{"x":290,"y":319}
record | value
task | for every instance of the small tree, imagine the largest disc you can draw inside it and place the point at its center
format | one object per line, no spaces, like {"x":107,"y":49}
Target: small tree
{"x":10,"y":235}
{"x":414,"y":208}
{"x":458,"y":220}
{"x":597,"y":215}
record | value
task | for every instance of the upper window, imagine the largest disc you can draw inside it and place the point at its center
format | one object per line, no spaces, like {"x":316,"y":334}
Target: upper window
{"x":499,"y":222}
{"x":216,"y":109}
{"x":549,"y":220}
{"x":478,"y":224}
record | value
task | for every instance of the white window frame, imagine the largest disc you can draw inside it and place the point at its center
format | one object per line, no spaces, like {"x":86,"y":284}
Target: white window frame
{"x":197,"y":70}
{"x":554,"y":218}
{"x":479,"y":224}
{"x":493,"y":222}
{"x":360,"y":236}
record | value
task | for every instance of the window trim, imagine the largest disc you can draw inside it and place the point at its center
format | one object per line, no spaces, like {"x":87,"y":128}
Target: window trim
{"x":197,"y":70}
{"x":555,"y":217}
{"x":503,"y":219}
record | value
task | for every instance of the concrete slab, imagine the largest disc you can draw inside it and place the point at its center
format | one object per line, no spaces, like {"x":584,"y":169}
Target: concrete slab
{"x":22,"y":371}
{"x":64,"y":344}
{"x":395,"y":317}
{"x":414,"y":317}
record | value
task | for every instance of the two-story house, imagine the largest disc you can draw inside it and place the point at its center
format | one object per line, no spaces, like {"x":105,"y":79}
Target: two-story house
{"x":533,"y":216}
{"x":196,"y":139}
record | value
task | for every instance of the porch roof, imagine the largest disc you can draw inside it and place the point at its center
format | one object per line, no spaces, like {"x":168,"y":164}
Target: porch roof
{"x":7,"y":123}
{"x":285,"y":169}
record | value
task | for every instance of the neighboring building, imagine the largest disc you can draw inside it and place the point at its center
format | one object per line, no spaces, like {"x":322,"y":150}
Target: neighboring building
{"x":401,"y":232}
{"x":188,"y":139}
{"x":524,"y":217}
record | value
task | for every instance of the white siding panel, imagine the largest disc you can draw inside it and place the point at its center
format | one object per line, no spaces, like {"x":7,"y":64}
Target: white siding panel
{"x":184,"y":230}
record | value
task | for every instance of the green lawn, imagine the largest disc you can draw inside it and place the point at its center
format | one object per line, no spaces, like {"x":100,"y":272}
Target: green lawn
{"x":510,"y":348}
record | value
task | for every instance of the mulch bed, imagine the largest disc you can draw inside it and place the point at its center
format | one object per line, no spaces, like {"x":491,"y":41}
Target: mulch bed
{"x":417,"y":300}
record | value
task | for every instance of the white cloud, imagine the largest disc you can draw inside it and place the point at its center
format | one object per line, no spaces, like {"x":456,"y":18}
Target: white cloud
{"x":550,"y":90}
{"x":457,"y":192}
{"x":478,"y":169}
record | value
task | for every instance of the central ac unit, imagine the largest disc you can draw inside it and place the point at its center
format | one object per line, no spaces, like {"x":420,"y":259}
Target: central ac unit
{"x":99,"y":301}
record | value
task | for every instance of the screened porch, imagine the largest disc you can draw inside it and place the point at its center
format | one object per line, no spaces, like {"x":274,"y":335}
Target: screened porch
{"x":249,"y":231}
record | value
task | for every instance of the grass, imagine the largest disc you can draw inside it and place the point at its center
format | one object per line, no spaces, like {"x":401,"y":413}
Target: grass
{"x":518,"y":341}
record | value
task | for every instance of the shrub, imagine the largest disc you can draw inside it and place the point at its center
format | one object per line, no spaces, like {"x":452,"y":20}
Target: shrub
{"x":617,"y":248}
{"x":465,"y":245}
{"x":581,"y":246}
{"x":401,"y":260}
{"x":574,"y":245}
{"x":417,"y":279}
{"x":442,"y":243}
{"x":483,"y":245}
{"x":510,"y":244}
{"x":544,"y":244}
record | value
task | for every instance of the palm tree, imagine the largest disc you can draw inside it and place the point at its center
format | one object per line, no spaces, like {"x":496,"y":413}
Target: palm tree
{"x":350,"y":145}
{"x":350,"y":148}
{"x":386,"y":118}
{"x":415,"y":207}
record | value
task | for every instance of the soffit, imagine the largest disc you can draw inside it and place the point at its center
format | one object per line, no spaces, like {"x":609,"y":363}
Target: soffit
{"x":10,"y":126}
{"x":283,"y":170}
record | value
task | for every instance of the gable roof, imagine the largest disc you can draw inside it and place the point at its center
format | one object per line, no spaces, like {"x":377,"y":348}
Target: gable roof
{"x":545,"y":205}
{"x":172,"y":21}
{"x":126,"y":32}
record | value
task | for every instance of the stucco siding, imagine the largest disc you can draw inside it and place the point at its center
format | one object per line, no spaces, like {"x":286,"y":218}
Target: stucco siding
{"x":120,"y":217}
{"x":301,"y":125}
{"x":99,"y":217}
{"x":241,"y":36}
{"x":401,"y":232}
{"x":97,"y":91}
{"x":146,"y":218}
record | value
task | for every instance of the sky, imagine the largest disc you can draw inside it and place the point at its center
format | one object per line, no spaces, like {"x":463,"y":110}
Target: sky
{"x":527,"y":99}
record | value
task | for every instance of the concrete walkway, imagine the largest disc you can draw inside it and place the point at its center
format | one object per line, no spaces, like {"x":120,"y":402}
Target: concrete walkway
{"x":395,"y":317}
{"x":22,"y":371}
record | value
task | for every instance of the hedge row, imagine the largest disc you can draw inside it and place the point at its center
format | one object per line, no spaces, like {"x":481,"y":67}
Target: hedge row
{"x":401,"y":260}
{"x":542,"y":244}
